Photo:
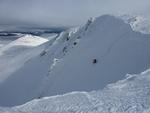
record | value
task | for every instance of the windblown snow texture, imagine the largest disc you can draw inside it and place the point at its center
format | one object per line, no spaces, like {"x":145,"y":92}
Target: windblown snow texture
{"x":131,"y":95}
{"x":117,"y":49}
{"x":65,"y":63}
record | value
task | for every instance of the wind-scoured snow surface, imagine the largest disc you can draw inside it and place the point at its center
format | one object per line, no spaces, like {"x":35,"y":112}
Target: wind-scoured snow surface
{"x":16,"y":53}
{"x":66,"y":63}
{"x":118,"y":49}
{"x":131,"y":95}
{"x":138,"y":23}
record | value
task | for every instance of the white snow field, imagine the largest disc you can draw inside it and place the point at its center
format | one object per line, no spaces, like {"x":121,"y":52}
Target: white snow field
{"x":131,"y":95}
{"x":16,"y":53}
{"x":87,"y":58}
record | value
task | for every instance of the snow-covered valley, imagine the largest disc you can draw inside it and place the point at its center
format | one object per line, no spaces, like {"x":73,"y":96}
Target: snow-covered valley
{"x":86,"y":58}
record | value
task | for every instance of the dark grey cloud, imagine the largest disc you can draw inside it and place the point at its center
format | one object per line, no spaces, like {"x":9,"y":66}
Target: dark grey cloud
{"x":65,"y":12}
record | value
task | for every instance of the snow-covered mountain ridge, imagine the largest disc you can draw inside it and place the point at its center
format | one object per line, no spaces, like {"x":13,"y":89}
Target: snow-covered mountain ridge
{"x":116,"y":47}
{"x":81,"y":59}
{"x":138,"y":23}
{"x":16,"y":53}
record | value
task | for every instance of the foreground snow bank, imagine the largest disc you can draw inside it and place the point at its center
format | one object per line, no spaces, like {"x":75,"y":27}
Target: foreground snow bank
{"x":131,"y":95}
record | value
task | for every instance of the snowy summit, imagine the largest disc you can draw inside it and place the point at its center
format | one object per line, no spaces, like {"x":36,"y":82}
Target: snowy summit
{"x":93,"y":68}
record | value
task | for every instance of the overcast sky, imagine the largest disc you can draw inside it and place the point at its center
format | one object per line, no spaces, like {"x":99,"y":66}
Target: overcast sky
{"x":65,"y":12}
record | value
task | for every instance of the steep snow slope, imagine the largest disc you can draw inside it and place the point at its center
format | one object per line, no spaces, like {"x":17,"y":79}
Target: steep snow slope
{"x":130,"y":95}
{"x":16,"y":53}
{"x":118,"y":49}
{"x":67,"y":62}
{"x":27,"y":82}
{"x":14,"y":56}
